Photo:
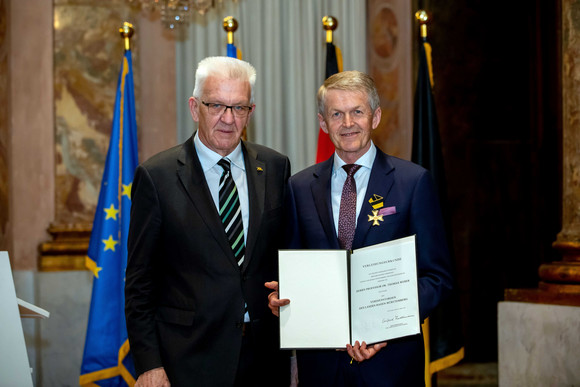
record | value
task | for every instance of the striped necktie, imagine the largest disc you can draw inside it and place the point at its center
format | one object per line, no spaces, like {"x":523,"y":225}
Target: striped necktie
{"x":231,"y":212}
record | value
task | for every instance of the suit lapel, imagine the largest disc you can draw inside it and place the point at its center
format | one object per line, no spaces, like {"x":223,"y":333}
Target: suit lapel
{"x":380,"y":183}
{"x":321,"y":194}
{"x":256,"y":178}
{"x":193,"y":180}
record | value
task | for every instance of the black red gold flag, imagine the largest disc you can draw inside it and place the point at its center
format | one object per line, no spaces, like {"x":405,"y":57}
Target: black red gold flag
{"x":325,"y":148}
{"x":445,"y":347}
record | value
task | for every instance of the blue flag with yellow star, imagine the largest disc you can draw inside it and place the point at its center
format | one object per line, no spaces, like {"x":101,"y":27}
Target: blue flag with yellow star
{"x":106,"y":358}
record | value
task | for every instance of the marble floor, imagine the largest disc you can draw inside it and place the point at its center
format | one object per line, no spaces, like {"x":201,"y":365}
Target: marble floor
{"x":469,"y":375}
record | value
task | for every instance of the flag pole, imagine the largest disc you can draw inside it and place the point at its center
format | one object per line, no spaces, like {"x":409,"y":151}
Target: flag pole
{"x":329,"y":23}
{"x":422,"y":17}
{"x":127,"y":32}
{"x":325,"y":148}
{"x":230,"y":26}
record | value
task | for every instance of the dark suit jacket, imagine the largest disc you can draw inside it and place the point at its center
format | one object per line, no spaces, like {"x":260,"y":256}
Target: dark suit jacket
{"x":409,"y":188}
{"x":184,"y":290}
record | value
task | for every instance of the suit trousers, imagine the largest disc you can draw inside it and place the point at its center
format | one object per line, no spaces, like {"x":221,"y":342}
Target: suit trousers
{"x":247,"y":363}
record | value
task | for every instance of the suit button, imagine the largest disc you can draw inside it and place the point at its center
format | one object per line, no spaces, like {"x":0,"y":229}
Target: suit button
{"x":239,"y":325}
{"x":244,"y":278}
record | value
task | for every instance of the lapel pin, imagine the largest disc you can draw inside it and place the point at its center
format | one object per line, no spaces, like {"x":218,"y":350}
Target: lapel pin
{"x":260,"y":170}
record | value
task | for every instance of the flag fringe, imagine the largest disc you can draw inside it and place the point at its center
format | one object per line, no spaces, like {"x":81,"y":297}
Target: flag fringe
{"x":338,"y":58}
{"x":87,"y":380}
{"x":426,"y":339}
{"x":92,"y":266}
{"x":429,"y":62}
{"x":447,"y":361}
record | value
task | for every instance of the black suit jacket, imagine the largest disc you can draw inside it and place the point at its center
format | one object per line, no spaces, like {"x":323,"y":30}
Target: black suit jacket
{"x":409,"y":189}
{"x":184,"y":290}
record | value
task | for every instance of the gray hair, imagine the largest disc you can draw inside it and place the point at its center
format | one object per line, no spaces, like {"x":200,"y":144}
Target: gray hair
{"x":354,"y":81}
{"x":225,"y":67}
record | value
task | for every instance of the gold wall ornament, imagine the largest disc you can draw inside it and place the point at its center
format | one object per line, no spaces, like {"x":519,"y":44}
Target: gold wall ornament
{"x":68,"y":248}
{"x":329,"y":23}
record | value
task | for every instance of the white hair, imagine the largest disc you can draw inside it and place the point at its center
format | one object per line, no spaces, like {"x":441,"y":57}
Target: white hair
{"x":225,"y":67}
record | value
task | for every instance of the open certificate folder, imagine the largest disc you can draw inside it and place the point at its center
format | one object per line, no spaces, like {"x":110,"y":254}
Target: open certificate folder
{"x":338,"y":297}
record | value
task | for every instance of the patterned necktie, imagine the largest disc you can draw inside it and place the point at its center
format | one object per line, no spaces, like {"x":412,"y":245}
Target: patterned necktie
{"x":347,"y":214}
{"x":231,"y":212}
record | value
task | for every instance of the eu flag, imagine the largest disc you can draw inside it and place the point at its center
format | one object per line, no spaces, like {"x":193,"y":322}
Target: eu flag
{"x":233,"y":52}
{"x":106,"y":359}
{"x":444,"y":331}
{"x":325,"y":148}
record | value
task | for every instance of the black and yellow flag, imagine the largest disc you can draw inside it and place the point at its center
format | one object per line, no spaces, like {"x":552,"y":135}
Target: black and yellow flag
{"x":443,"y":331}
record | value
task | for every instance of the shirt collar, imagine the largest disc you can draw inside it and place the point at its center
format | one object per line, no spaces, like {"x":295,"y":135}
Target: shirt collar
{"x":208,"y":158}
{"x":365,"y":161}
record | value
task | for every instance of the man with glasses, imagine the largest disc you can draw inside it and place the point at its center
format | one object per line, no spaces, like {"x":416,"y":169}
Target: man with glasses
{"x":360,"y":197}
{"x":205,"y":230}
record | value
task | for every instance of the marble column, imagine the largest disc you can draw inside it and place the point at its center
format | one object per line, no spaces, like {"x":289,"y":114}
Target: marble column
{"x":538,"y":328}
{"x":564,"y":276}
{"x":4,"y":125}
{"x":27,"y":130}
{"x":560,"y":280}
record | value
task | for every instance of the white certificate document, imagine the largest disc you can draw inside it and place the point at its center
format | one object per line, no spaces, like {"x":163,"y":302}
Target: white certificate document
{"x":316,"y":282}
{"x":337,"y":298}
{"x":384,"y":291}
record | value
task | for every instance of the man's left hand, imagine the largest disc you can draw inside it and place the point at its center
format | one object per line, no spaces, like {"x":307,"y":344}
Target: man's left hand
{"x":273,"y":302}
{"x":360,"y":352}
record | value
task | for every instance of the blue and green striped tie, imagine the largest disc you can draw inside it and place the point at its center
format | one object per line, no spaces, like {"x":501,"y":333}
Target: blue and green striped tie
{"x":231,"y":212}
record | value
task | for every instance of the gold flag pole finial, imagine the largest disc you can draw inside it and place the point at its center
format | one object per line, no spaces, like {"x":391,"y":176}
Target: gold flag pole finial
{"x":423,"y":18}
{"x":230,"y":26}
{"x":127,"y":32}
{"x":329,"y":23}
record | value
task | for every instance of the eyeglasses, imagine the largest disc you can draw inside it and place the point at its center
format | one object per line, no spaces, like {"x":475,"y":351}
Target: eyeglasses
{"x":217,"y":109}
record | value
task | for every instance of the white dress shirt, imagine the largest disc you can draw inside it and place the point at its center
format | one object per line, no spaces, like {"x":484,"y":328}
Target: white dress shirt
{"x":213,"y":173}
{"x":361,"y":177}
